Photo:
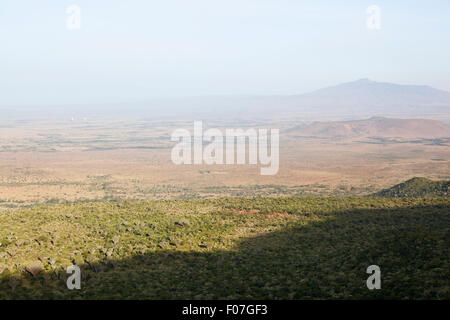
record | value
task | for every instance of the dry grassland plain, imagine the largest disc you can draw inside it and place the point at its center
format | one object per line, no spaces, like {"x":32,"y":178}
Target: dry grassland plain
{"x":58,"y":161}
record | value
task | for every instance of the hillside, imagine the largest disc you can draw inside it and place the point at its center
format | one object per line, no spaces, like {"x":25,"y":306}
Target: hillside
{"x":263,"y":248}
{"x":375,"y":127}
{"x":417,"y":187}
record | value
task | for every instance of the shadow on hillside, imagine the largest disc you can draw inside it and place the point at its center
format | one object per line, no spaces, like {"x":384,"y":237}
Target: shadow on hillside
{"x":326,"y":260}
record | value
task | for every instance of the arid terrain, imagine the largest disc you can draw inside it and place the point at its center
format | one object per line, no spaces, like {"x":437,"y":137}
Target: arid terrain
{"x":240,"y":151}
{"x":101,"y":192}
{"x":66,"y":160}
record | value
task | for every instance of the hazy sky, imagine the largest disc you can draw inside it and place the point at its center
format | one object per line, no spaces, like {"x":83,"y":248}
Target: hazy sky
{"x":138,"y":49}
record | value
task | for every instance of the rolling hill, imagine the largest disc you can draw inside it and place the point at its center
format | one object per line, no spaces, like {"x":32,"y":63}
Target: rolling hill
{"x":417,"y":187}
{"x":376,"y":127}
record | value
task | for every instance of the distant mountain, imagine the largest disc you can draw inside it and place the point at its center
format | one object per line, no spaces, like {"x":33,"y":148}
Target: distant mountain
{"x":352,"y":100}
{"x":375,"y":127}
{"x":417,"y":188}
{"x":363,"y":97}
{"x":368,"y":93}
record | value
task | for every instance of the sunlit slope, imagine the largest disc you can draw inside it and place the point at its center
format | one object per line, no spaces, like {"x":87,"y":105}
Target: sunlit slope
{"x":417,"y":187}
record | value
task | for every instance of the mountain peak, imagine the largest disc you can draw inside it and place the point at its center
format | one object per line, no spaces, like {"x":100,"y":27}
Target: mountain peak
{"x":364,"y":80}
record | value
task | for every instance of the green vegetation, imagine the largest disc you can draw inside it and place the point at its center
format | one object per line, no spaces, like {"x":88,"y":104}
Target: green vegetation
{"x":112,"y":191}
{"x":417,"y":187}
{"x":233,"y":248}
